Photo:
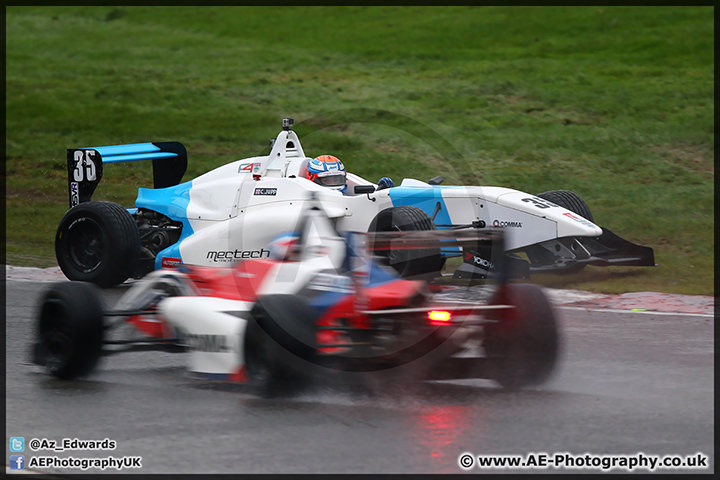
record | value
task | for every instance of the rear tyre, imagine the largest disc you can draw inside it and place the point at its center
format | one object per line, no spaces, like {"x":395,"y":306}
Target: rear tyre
{"x":522,"y":346}
{"x":70,"y":330}
{"x":414,"y":262}
{"x":280,"y":345}
{"x":97,"y":242}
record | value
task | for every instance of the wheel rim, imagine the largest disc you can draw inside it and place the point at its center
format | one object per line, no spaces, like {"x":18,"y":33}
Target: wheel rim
{"x":86,"y":244}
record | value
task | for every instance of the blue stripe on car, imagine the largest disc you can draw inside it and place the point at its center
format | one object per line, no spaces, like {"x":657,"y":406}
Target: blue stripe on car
{"x":377,"y":276}
{"x":126,"y":149}
{"x":172,"y":202}
{"x":137,"y":157}
{"x":131,"y":152}
{"x":424,"y":198}
{"x":326,"y":300}
{"x":220,"y":377}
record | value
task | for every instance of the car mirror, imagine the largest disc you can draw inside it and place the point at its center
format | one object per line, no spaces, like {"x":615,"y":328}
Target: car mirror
{"x":360,"y":189}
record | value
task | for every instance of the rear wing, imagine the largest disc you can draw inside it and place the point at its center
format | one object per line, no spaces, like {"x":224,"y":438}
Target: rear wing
{"x":450,"y":237}
{"x":85,"y":165}
{"x":365,"y":245}
{"x":470,"y":238}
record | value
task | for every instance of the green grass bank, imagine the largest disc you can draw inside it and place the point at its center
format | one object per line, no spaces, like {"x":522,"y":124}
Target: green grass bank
{"x":614,"y":103}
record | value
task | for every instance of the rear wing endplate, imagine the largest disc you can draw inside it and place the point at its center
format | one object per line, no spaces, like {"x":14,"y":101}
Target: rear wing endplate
{"x":85,"y":165}
{"x":450,"y":237}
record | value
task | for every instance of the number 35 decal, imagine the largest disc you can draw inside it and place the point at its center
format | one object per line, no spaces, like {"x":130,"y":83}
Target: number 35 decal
{"x":84,"y":166}
{"x":539,"y":202}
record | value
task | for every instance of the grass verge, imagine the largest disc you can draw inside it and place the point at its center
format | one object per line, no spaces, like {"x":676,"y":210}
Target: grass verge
{"x":615,"y":103}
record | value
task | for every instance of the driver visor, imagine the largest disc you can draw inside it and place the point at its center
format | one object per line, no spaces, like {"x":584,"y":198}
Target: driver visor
{"x":334,"y":180}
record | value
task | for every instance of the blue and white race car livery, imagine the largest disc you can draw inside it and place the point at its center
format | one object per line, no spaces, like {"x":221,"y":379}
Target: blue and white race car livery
{"x":235,"y":212}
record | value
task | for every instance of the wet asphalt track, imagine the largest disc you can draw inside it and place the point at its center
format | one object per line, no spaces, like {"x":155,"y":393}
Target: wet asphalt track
{"x":628,"y":383}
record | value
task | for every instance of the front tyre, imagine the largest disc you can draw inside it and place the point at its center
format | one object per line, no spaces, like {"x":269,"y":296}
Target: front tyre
{"x":573,"y":202}
{"x":568,"y":199}
{"x":97,"y":242}
{"x":412,"y":262}
{"x":280,"y":345}
{"x":522,"y":345}
{"x":69,"y":330}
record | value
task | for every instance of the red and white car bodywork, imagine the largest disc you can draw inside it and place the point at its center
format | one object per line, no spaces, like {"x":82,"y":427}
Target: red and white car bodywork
{"x":321,"y":304}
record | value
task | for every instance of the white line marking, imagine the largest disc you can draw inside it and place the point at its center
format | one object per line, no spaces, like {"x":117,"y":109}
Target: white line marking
{"x":646,"y":312}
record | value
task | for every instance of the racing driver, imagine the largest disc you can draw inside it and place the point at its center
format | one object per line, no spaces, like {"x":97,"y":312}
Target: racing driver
{"x":329,"y":171}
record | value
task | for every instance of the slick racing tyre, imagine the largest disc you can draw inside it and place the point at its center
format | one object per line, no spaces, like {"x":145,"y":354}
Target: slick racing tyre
{"x":569,"y":200}
{"x":97,"y":242}
{"x":522,"y":345}
{"x":70,"y":330}
{"x":280,"y":346}
{"x":573,"y":202}
{"x":408,"y":263}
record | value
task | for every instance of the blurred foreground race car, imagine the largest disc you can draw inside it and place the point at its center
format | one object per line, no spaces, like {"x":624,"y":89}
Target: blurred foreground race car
{"x":234,"y":211}
{"x":320,"y":308}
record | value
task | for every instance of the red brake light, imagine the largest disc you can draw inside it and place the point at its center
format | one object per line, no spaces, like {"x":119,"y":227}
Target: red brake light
{"x":439,"y":317}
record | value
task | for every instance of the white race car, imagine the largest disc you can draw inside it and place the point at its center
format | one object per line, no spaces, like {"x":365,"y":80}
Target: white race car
{"x":320,"y":309}
{"x":234,"y":212}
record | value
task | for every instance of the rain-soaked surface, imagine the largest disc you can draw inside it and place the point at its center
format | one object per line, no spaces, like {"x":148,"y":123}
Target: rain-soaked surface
{"x":629,"y":383}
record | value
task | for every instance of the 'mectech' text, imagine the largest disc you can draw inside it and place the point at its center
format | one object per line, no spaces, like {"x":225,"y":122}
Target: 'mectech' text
{"x":230,"y":255}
